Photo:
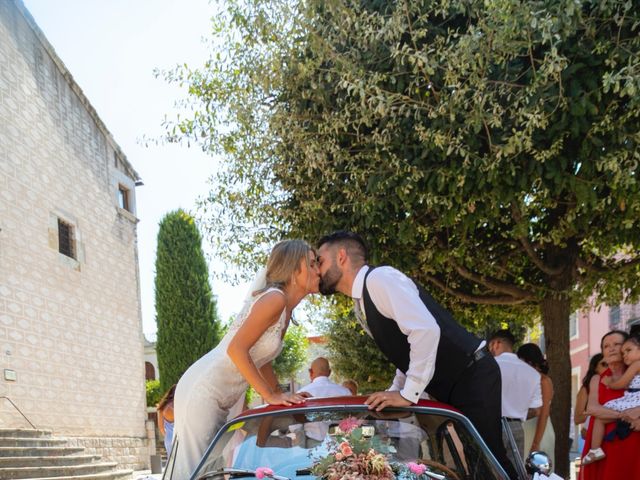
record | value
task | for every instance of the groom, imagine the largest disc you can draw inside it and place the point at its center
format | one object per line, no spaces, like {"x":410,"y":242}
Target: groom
{"x":430,"y":350}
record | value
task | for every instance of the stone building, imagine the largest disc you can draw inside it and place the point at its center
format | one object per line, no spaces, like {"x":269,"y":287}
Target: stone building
{"x":71,"y":342}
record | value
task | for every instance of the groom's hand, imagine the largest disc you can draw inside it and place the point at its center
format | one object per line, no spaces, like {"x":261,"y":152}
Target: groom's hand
{"x":379,"y":400}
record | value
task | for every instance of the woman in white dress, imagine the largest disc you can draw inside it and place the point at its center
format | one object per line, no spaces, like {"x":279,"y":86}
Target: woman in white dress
{"x":538,"y":431}
{"x":218,"y":380}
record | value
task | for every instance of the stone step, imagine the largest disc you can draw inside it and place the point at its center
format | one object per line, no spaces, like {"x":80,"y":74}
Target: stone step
{"x":23,"y":432}
{"x":31,"y":442}
{"x":113,"y":475}
{"x":46,"y":461}
{"x":56,"y":471}
{"x":38,"y":451}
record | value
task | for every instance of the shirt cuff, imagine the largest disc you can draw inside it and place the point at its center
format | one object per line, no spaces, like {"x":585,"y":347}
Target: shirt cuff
{"x":412,"y":390}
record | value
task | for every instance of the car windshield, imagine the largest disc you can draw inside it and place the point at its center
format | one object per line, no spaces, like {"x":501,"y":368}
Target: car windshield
{"x":290,"y":443}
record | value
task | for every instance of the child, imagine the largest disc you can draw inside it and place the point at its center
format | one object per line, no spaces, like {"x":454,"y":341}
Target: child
{"x":630,"y":381}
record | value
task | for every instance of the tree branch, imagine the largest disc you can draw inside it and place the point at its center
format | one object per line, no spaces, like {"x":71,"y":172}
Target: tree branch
{"x":530,"y":250}
{"x":623,"y":266}
{"x":491,"y":283}
{"x":585,"y":265}
{"x":488,"y":282}
{"x":602,"y":267}
{"x":479,"y":299}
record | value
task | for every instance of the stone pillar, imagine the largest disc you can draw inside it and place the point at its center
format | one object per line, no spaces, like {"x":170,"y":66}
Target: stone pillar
{"x":151,"y":436}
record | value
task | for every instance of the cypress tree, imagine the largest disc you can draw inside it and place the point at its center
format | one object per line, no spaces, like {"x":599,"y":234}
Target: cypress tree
{"x":185,"y":309}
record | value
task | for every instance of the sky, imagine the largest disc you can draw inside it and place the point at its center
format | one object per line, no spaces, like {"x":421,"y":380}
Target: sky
{"x":111,"y":48}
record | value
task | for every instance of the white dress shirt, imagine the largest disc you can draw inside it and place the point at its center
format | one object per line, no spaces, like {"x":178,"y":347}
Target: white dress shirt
{"x":396,"y":296}
{"x":323,"y":387}
{"x":521,"y":388}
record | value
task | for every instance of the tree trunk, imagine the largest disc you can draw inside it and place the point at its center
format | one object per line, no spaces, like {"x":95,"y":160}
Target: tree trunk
{"x":555,"y":319}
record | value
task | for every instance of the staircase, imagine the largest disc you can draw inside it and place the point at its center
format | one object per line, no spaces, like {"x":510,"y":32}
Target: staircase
{"x":36,"y":455}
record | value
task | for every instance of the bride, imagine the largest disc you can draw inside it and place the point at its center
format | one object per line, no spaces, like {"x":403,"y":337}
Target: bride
{"x":214,"y":383}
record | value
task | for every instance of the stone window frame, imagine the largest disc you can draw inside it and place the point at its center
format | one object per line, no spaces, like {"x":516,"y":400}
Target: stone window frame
{"x":57,"y":217}
{"x":66,"y":239}
{"x":121,"y":182}
{"x":124,"y":197}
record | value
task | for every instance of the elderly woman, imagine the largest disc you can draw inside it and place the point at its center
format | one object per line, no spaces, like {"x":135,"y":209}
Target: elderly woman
{"x":622,"y":459}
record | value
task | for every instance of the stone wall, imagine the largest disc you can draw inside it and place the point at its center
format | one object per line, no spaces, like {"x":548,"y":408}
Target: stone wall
{"x":70,"y":326}
{"x":129,"y":452}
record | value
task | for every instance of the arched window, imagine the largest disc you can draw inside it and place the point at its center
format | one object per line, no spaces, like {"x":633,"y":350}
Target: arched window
{"x":149,"y":371}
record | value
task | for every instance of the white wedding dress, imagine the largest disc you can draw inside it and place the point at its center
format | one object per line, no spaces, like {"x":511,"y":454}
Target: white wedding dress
{"x":212,"y":385}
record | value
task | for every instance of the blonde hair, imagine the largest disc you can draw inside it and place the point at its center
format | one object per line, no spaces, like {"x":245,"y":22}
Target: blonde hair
{"x":284,"y":262}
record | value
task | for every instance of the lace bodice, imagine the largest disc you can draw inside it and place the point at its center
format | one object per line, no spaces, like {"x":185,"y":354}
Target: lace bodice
{"x":269,"y":345}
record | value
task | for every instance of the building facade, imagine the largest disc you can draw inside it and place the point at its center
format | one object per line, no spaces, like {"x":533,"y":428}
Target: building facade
{"x":71,"y":342}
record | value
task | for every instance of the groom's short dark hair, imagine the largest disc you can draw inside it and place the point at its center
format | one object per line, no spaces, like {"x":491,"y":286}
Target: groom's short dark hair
{"x":352,"y":242}
{"x":504,"y":335}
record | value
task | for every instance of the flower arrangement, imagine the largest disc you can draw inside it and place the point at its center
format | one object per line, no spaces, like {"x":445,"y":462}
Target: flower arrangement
{"x":358,"y":456}
{"x":354,"y":456}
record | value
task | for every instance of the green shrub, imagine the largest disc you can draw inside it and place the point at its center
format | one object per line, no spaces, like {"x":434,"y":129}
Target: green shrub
{"x":154,"y":392}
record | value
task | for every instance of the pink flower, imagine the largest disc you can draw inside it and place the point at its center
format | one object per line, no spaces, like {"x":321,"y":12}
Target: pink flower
{"x":417,"y":468}
{"x":262,"y":472}
{"x":345,"y":448}
{"x":349,"y":424}
{"x":339,"y":456}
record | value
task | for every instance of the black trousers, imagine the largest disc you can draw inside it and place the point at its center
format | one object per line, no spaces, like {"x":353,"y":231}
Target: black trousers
{"x":478,"y":394}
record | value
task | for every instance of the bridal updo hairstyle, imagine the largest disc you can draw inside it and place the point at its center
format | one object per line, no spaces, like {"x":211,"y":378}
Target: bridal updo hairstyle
{"x":284,"y":262}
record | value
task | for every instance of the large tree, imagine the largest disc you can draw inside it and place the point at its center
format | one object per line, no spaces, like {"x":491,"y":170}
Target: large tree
{"x":488,"y":148}
{"x":185,"y":308}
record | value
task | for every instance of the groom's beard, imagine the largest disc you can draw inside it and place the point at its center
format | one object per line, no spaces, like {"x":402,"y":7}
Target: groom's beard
{"x":329,"y":280}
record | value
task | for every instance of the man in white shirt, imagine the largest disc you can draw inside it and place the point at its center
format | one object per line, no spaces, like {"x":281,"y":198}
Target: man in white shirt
{"x":320,"y":385}
{"x":430,"y":350}
{"x":521,"y":391}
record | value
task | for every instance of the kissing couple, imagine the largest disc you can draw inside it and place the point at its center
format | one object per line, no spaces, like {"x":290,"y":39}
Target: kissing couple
{"x":431,"y":351}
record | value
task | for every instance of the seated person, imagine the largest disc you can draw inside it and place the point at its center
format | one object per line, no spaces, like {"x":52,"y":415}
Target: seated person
{"x":320,"y":385}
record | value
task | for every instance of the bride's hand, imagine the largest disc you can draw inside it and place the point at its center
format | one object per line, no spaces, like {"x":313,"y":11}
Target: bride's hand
{"x":287,"y":399}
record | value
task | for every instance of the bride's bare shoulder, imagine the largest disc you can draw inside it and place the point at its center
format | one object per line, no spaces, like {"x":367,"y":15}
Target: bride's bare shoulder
{"x":271,"y":303}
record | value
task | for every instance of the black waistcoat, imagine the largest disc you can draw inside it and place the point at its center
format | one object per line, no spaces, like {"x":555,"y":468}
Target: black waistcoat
{"x":454,"y":349}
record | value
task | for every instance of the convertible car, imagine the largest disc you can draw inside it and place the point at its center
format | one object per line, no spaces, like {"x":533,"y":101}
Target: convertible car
{"x":339,"y":437}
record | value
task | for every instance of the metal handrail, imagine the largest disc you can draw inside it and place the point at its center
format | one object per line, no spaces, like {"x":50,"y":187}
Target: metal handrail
{"x":19,"y":411}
